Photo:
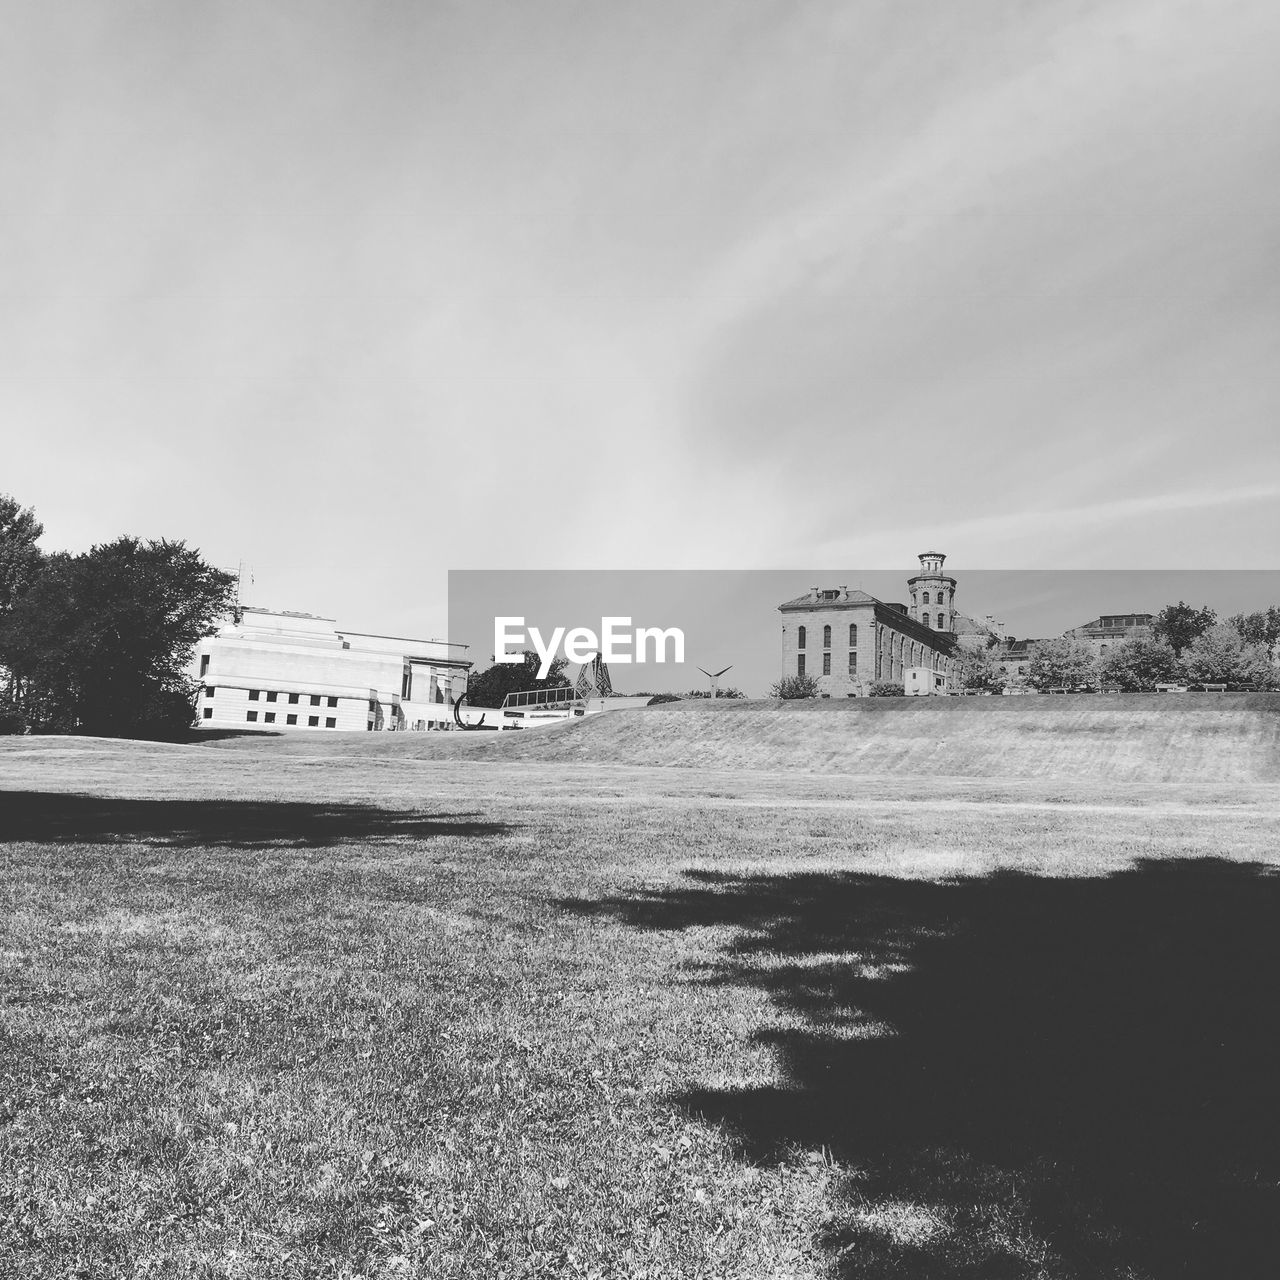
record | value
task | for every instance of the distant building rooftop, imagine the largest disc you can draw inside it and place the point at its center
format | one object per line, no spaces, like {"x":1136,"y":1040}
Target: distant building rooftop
{"x":834,"y":597}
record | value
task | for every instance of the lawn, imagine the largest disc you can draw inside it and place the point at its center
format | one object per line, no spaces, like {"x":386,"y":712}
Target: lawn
{"x":272,"y":1014}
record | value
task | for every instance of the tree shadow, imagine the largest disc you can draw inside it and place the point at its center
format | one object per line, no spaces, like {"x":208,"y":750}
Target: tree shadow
{"x":50,"y":818}
{"x":1026,"y":1076}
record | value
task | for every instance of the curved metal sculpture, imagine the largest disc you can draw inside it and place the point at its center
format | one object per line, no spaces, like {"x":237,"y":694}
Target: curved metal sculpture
{"x":714,"y":677}
{"x":457,"y":719}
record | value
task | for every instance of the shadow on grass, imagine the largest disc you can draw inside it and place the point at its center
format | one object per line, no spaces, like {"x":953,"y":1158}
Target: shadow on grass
{"x":46,"y":818}
{"x":1027,"y":1076}
{"x":199,"y":737}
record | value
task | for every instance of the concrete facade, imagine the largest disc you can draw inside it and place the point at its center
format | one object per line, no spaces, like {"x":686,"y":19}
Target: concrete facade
{"x":276,"y":670}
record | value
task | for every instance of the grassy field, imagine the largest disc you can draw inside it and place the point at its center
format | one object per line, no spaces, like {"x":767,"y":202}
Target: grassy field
{"x":286,"y":1008}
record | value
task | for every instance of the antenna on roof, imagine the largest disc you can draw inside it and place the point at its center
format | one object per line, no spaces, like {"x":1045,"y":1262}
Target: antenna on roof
{"x":714,"y":677}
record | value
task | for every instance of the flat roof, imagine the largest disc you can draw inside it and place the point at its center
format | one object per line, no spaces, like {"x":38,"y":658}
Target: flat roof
{"x":376,"y":635}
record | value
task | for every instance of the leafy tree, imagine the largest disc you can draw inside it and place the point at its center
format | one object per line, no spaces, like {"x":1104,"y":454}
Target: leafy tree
{"x":1261,"y":628}
{"x":792,"y":687}
{"x":1179,"y":624}
{"x":1138,"y":665}
{"x":99,"y":643}
{"x":489,"y":688}
{"x":35,"y":648}
{"x":886,"y":689}
{"x":1221,"y":655}
{"x":1062,"y":664}
{"x":20,"y":561}
{"x":981,"y":672}
{"x":19,"y":556}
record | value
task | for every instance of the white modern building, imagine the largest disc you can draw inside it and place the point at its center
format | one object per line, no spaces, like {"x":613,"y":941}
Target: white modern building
{"x":277,"y":670}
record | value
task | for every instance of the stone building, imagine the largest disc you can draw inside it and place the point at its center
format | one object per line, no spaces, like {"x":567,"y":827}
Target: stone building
{"x":280,"y":670}
{"x":1111,"y":629}
{"x":848,"y":639}
{"x":1014,"y":659}
{"x":1101,"y":635}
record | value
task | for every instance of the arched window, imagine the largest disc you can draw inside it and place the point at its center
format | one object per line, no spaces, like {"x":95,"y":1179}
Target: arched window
{"x":853,"y":635}
{"x":926,"y":597}
{"x":925,"y":619}
{"x":800,"y":640}
{"x":826,"y":637}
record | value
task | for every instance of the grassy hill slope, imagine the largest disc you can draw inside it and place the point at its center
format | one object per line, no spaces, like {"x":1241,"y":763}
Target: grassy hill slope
{"x":1116,"y":737}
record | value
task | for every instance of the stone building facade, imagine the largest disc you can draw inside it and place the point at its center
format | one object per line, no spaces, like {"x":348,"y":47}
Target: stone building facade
{"x":932,"y":593}
{"x":847,"y":640}
{"x":1101,"y":635}
{"x":1111,"y":629}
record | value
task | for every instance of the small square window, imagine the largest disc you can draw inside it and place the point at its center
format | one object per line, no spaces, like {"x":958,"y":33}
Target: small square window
{"x":210,"y":690}
{"x":269,"y":718}
{"x":330,"y":722}
{"x":293,"y":699}
{"x":250,"y":715}
{"x":313,"y":722}
{"x":291,"y":719}
{"x":271,"y":697}
{"x":253,"y":695}
{"x":315,"y":699}
{"x":333,"y":702}
{"x":208,"y":713}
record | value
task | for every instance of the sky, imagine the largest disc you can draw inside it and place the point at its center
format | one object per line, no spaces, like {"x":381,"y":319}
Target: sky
{"x":357,"y":293}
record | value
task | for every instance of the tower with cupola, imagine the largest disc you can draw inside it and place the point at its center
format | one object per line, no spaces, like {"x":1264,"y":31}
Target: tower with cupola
{"x":933,"y":593}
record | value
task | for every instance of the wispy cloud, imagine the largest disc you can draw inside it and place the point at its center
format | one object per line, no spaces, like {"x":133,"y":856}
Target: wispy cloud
{"x":1020,"y":537}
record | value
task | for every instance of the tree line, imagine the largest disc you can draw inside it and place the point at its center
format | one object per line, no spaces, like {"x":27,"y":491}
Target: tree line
{"x":1186,"y":646}
{"x":100,"y":642}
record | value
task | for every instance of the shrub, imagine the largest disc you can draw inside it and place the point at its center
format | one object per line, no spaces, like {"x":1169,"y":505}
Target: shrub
{"x":886,"y":689}
{"x":790,"y":687}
